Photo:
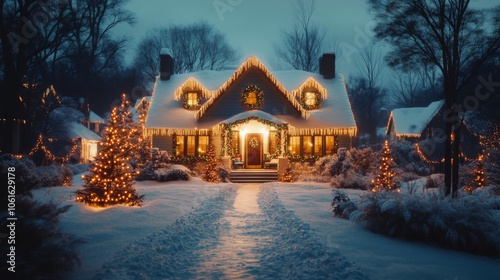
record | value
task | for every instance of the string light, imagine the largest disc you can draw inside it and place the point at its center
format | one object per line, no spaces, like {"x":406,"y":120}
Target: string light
{"x":385,"y":177}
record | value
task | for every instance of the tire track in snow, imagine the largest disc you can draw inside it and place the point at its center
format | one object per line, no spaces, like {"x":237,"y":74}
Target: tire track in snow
{"x":294,"y":251}
{"x":174,"y":252}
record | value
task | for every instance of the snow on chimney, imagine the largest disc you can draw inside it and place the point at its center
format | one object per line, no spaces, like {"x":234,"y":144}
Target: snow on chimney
{"x":166,"y":64}
{"x":327,"y":65}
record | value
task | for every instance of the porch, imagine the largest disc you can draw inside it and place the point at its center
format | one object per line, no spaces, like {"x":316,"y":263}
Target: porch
{"x":253,"y":175}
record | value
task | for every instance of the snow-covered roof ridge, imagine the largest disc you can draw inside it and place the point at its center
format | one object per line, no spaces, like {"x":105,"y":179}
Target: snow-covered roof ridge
{"x":93,"y":117}
{"x":80,"y":131}
{"x":253,"y":113}
{"x":412,"y":121}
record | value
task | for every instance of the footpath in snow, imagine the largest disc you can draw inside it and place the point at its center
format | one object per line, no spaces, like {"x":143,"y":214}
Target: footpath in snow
{"x":239,"y":233}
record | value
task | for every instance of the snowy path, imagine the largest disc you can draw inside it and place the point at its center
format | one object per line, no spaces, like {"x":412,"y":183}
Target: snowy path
{"x":239,"y":233}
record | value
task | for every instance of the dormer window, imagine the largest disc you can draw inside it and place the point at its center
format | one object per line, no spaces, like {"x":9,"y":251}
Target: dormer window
{"x":252,"y":98}
{"x":191,"y":100}
{"x":310,"y":100}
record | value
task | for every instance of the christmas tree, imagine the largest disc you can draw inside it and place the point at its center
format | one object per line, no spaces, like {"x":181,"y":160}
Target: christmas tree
{"x":111,"y":177}
{"x":287,"y":175}
{"x":478,"y":181}
{"x":385,"y":177}
{"x":211,"y":174}
{"x":140,"y":139}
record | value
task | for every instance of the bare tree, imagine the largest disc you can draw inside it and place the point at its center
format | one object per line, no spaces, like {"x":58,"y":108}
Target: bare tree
{"x":195,"y":47}
{"x":303,"y":44}
{"x":449,"y":35}
{"x":407,"y":89}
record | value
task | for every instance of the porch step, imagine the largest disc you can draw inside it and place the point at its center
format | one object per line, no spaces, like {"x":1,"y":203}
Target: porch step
{"x":253,"y":176}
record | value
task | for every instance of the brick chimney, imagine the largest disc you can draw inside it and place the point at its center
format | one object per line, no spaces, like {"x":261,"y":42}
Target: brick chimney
{"x":327,"y":65}
{"x":166,"y":64}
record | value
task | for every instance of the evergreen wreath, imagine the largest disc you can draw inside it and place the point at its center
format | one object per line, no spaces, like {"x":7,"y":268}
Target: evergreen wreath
{"x":254,"y":143}
{"x":260,"y":97}
{"x":191,"y":107}
{"x":310,"y":107}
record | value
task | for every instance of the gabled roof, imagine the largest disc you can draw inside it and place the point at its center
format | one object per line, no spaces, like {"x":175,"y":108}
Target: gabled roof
{"x":93,"y":117}
{"x":140,"y":100}
{"x":166,"y":111}
{"x":411,"y":122}
{"x":253,"y":113}
{"x":77,"y":130}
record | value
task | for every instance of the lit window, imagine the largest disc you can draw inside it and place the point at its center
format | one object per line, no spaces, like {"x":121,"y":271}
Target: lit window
{"x":192,"y":99}
{"x":272,"y":142}
{"x":307,"y":145}
{"x":235,"y":144}
{"x":310,"y":98}
{"x":318,"y":145}
{"x":252,"y":98}
{"x":179,"y":140}
{"x":294,"y":147}
{"x":191,"y":144}
{"x":330,"y":145}
{"x":202,"y":145}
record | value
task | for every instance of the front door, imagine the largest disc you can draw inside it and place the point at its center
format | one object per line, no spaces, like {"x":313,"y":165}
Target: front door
{"x":254,"y":150}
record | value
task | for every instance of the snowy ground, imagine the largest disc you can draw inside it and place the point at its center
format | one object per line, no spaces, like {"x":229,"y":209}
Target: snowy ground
{"x":226,"y":231}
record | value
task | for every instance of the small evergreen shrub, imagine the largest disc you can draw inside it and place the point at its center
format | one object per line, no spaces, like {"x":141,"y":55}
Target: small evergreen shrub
{"x":434,"y":181}
{"x":351,"y":180}
{"x":147,"y":173}
{"x":223,"y":174}
{"x":172,"y":175}
{"x":342,"y":206}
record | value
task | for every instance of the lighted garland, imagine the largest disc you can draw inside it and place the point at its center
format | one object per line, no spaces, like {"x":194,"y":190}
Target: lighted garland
{"x":254,"y":143}
{"x":260,"y":97}
{"x":40,"y":146}
{"x":174,"y":144}
{"x":185,"y":102}
{"x":316,"y":105}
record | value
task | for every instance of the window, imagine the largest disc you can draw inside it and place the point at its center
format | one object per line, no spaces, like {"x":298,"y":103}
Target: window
{"x":272,"y":142}
{"x":235,"y":146}
{"x":202,"y":145}
{"x":310,"y":98}
{"x":307,"y":145}
{"x":318,"y":145}
{"x":294,"y":147}
{"x":192,"y":99}
{"x":179,"y":140}
{"x":191,"y":145}
{"x":330,"y":145}
{"x":252,"y":98}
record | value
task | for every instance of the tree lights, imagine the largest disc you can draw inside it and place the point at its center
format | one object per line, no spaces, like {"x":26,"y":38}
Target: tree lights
{"x":211,"y":174}
{"x":478,"y":181}
{"x":385,"y":177}
{"x":110,"y":180}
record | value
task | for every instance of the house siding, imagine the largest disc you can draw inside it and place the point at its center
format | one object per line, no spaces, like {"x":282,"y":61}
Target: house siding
{"x":229,"y":103}
{"x":162,"y":142}
{"x":344,"y":141}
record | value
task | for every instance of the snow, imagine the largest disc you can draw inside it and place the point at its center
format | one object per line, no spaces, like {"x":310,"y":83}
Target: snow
{"x":93,"y":117}
{"x":254,"y":113}
{"x":80,"y":131}
{"x":412,"y":121}
{"x":227,"y":231}
{"x":166,"y":51}
{"x":335,"y":111}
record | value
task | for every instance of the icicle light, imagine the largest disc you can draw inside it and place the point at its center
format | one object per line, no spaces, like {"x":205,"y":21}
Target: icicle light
{"x":311,"y":83}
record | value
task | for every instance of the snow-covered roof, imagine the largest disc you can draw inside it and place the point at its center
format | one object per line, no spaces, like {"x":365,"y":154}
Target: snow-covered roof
{"x":77,"y":130}
{"x":166,"y":51}
{"x":93,"y":117}
{"x":411,"y":122}
{"x":253,"y":113}
{"x":166,"y":110}
{"x":140,"y":100}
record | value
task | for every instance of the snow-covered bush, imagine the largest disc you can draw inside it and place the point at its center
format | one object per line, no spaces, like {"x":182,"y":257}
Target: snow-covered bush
{"x":147,"y":173}
{"x":223,"y":174}
{"x":406,"y":156}
{"x":305,"y":172}
{"x":465,"y":223}
{"x":342,"y":206}
{"x":434,"y":181}
{"x":364,"y":161}
{"x":351,"y":180}
{"x":78,"y":168}
{"x":42,"y":250}
{"x":339,"y":164}
{"x":164,"y":175}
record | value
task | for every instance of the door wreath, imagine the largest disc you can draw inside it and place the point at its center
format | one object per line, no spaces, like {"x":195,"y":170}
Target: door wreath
{"x":254,"y":143}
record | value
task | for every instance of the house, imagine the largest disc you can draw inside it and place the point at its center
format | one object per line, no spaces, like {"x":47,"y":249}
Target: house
{"x":86,"y":140}
{"x":250,"y":112}
{"x":425,"y":126}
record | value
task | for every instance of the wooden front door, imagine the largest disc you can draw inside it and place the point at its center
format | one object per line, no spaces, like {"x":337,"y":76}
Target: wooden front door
{"x":254,"y":150}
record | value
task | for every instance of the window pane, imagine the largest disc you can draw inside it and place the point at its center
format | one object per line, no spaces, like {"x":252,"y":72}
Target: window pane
{"x":202,"y":145}
{"x":310,"y":98}
{"x":192,"y":99}
{"x":294,"y":147}
{"x":307,"y":145}
{"x":191,"y":144}
{"x":235,"y":146}
{"x":318,"y":145}
{"x":252,"y":98}
{"x":272,"y":142}
{"x":329,"y":145}
{"x":180,"y":145}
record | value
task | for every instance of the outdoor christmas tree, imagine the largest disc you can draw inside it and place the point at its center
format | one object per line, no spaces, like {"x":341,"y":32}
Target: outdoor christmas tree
{"x":287,"y":175}
{"x":385,"y":177}
{"x":211,"y":174}
{"x":111,"y":177}
{"x":478,"y":181}
{"x":140,"y":140}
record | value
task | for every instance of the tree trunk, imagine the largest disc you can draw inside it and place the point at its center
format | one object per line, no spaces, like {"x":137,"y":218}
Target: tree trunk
{"x":455,"y":161}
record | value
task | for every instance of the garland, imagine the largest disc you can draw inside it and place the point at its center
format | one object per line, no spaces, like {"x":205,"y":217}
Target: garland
{"x":316,"y":105}
{"x":174,"y":144}
{"x":230,"y":138}
{"x":260,"y":97}
{"x":254,"y":143}
{"x":302,"y":158}
{"x":191,"y":107}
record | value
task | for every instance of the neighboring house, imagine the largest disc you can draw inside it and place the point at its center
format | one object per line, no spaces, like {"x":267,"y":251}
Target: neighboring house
{"x":250,"y":112}
{"x":426,"y":125}
{"x":86,"y":140}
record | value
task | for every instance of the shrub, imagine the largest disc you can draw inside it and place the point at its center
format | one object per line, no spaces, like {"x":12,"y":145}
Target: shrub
{"x":465,"y":223}
{"x":342,"y":206}
{"x":434,"y":181}
{"x":223,"y":174}
{"x":172,"y":175}
{"x":53,"y":175}
{"x":351,"y":180}
{"x":147,"y":173}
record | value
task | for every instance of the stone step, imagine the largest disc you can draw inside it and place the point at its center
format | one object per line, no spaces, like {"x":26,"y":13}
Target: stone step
{"x":253,"y":176}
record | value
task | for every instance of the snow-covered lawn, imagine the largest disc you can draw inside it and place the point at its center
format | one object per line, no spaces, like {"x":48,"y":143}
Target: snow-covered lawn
{"x":226,"y":231}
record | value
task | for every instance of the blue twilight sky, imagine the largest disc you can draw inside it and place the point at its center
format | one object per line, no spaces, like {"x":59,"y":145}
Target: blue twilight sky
{"x":254,"y":26}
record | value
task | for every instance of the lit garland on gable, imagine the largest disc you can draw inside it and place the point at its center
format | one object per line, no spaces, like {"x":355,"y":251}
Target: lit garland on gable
{"x":191,"y":84}
{"x":317,"y":102}
{"x":185,"y":102}
{"x":249,"y":63}
{"x":311,"y":83}
{"x":259,"y":102}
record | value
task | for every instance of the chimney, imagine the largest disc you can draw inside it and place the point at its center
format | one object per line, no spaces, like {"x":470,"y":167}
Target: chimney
{"x":327,"y":65}
{"x":166,"y":64}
